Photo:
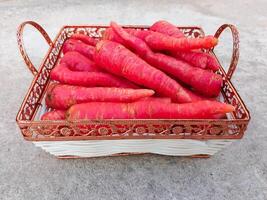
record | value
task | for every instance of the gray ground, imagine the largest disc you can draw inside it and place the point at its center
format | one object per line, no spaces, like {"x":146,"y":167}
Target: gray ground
{"x":238,"y":172}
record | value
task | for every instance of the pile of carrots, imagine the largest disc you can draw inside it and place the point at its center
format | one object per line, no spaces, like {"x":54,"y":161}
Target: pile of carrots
{"x":136,"y":74}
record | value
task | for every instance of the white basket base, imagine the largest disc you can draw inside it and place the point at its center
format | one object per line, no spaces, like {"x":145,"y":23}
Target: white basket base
{"x":96,"y":148}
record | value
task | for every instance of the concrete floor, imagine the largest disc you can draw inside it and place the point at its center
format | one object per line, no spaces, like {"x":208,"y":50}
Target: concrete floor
{"x":238,"y":172}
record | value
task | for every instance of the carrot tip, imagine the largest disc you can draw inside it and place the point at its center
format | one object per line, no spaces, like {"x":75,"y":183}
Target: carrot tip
{"x":229,"y":108}
{"x":215,"y":41}
{"x":113,"y":23}
{"x":99,"y":45}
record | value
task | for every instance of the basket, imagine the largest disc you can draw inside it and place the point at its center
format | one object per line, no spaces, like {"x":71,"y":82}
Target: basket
{"x":93,"y":138}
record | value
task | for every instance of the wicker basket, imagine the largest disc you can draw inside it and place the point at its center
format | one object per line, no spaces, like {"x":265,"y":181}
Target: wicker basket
{"x":92,"y":138}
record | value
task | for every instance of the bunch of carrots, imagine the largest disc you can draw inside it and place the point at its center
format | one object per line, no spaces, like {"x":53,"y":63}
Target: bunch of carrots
{"x":136,"y":74}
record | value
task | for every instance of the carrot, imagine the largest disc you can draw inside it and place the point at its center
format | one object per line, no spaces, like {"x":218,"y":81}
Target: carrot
{"x":157,"y":99}
{"x":109,"y":34}
{"x":203,"y":81}
{"x":116,"y":59}
{"x":133,"y":43}
{"x":167,"y":28}
{"x":64,"y":75}
{"x":78,"y":62}
{"x":212,"y":63}
{"x":84,"y":38}
{"x":194,"y":58}
{"x":54,"y":115}
{"x":197,"y":59}
{"x":148,"y":110}
{"x":113,"y":36}
{"x":63,"y":96}
{"x":76,"y":45}
{"x":220,"y":116}
{"x":159,"y":41}
{"x":142,"y":34}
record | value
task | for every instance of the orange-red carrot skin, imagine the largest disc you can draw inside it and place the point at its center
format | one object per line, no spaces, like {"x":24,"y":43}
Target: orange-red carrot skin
{"x":63,"y":96}
{"x":148,"y":110}
{"x":196,"y":110}
{"x":159,"y":41}
{"x":131,"y":42}
{"x":203,"y":81}
{"x":62,"y":74}
{"x":54,"y":115}
{"x":157,"y":99}
{"x":84,"y":38}
{"x":197,"y":59}
{"x":220,"y":116}
{"x":212,"y":63}
{"x":77,"y":45}
{"x":78,"y":62}
{"x":167,"y":28}
{"x":134,"y":43}
{"x":142,"y":34}
{"x":118,"y":60}
{"x":109,"y":34}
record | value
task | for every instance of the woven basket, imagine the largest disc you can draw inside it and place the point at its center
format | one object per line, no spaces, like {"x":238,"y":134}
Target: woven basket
{"x":92,"y":138}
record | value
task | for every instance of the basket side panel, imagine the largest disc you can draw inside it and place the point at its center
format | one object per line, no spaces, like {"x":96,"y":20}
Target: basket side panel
{"x":133,"y":129}
{"x":36,"y":91}
{"x":98,"y":148}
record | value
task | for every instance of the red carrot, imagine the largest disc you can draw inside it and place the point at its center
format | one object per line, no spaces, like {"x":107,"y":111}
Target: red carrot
{"x":212,"y":63}
{"x":84,"y":38}
{"x":64,"y":75}
{"x":54,"y":115}
{"x":78,"y":62}
{"x":76,"y":45}
{"x":142,"y":34}
{"x":167,"y":28}
{"x":63,"y":96}
{"x":157,"y":99}
{"x":134,"y":43}
{"x":148,"y":110}
{"x":197,"y":59}
{"x":109,"y":34}
{"x":220,"y":116}
{"x":117,"y":59}
{"x":159,"y":41}
{"x":203,"y":81}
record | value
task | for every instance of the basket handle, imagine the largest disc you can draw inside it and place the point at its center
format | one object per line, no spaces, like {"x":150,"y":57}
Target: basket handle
{"x":21,"y":43}
{"x":235,"y":54}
